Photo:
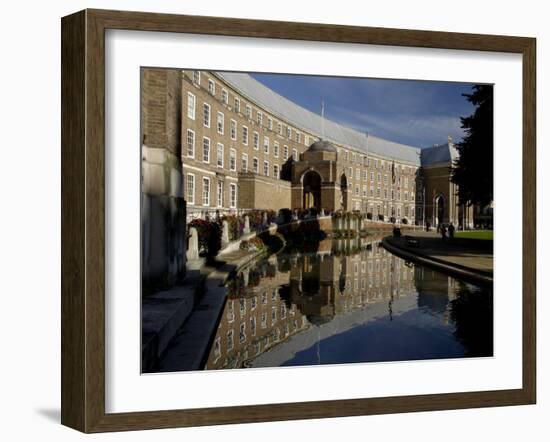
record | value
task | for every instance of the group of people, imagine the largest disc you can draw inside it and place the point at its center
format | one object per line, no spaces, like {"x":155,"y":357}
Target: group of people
{"x":446,"y":231}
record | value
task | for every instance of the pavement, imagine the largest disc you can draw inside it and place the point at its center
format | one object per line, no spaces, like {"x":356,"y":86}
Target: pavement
{"x":467,"y":257}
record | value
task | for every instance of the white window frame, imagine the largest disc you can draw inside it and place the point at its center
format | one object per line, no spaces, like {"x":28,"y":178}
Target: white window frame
{"x":245,"y":135}
{"x":233,"y":129}
{"x":270,"y":123}
{"x":218,"y":157}
{"x":295,"y":154}
{"x":211,"y":86}
{"x":225,"y":96}
{"x":266,"y":145}
{"x":259,"y":118}
{"x":266,"y":168}
{"x":276,"y":171}
{"x":190,"y":195}
{"x":249,"y":111}
{"x":205,"y":122}
{"x":205,"y":194}
{"x":244,"y":160}
{"x":237,"y":105}
{"x":285,"y":152}
{"x":256,"y":140}
{"x":191,"y":109}
{"x":190,"y":131}
{"x":209,"y":150}
{"x":280,"y":128}
{"x":233,"y":160}
{"x":219,"y":193}
{"x":256,"y":165}
{"x":220,"y":127}
{"x":276,"y":149}
{"x":197,"y":77}
{"x":232,"y":195}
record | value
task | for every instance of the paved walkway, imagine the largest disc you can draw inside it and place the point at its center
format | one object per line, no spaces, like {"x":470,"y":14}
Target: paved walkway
{"x":468,"y":254}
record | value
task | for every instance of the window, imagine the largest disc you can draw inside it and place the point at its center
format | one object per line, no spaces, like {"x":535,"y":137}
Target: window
{"x":298,"y":135}
{"x":233,"y":129}
{"x":276,"y":149}
{"x":350,"y":169}
{"x":237,"y":105}
{"x":219,"y":156}
{"x":206,"y":150}
{"x":248,"y":111}
{"x":206,"y":191}
{"x":211,"y":87}
{"x":220,"y":123}
{"x":232,"y":195}
{"x":385,"y":180}
{"x":255,"y":165}
{"x":219,"y":194}
{"x":224,"y":96}
{"x":242,"y":333}
{"x":191,"y":106}
{"x":256,"y":140}
{"x":244,"y":163}
{"x":245,"y":135}
{"x":266,"y":168}
{"x":365,"y":175}
{"x":279,"y":128}
{"x":190,"y":188}
{"x":270,"y":123}
{"x":206,"y":115}
{"x":358,"y":173}
{"x":232,"y":159}
{"x":190,"y":143}
{"x":357,"y":190}
{"x":266,"y":145}
{"x":230,"y":340}
{"x":295,"y":154}
{"x":260,"y":118}
{"x":253,"y":325}
{"x":353,"y":157}
{"x":372,"y":177}
{"x":285,"y":153}
{"x":276,"y":171}
{"x":364,"y":190}
{"x":288,"y":132}
{"x":197,"y":77}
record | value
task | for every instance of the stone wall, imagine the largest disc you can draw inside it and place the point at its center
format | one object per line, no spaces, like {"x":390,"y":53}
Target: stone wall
{"x":265,"y":193}
{"x":163,"y":228}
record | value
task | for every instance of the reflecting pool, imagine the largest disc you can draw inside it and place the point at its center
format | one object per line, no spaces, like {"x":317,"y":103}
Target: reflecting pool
{"x":348,"y":301}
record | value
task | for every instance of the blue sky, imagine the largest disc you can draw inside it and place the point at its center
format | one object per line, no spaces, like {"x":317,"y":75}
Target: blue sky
{"x":418,"y":113}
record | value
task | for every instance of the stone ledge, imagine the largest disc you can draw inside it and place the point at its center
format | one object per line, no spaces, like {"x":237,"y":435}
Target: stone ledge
{"x":469,"y":274}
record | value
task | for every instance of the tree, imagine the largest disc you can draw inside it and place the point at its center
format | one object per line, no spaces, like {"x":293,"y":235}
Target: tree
{"x":473,"y":171}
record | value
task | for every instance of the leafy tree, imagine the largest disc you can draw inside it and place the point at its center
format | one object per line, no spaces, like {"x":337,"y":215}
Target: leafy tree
{"x":473,"y":171}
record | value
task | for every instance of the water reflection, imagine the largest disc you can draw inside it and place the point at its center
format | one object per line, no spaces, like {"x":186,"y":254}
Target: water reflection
{"x":351,"y":301}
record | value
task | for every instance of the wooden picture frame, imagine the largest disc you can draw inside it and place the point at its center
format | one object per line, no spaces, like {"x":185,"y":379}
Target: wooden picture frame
{"x":83,"y":220}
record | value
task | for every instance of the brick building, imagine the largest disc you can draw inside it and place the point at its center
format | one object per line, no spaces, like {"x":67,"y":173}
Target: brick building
{"x":243,"y":146}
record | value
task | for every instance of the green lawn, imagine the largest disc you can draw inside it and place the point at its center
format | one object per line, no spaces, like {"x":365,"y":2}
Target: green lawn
{"x":475,"y":234}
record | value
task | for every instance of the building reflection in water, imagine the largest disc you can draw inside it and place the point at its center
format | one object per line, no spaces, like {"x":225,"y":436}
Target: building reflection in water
{"x":347,"y":282}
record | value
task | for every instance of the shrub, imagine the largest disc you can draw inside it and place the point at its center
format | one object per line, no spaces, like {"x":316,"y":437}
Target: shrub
{"x":404,"y":221}
{"x":209,"y":233}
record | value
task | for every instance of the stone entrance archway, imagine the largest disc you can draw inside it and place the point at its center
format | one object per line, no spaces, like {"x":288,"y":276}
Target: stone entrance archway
{"x":343,"y":192}
{"x":312,"y":190}
{"x":439,"y":210}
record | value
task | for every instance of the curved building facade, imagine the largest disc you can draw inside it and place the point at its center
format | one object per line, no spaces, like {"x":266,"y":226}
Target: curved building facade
{"x":243,"y":146}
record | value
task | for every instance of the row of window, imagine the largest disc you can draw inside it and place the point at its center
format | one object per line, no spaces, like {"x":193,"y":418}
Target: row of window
{"x":224,"y":95}
{"x":220,"y":194}
{"x":220,"y":155}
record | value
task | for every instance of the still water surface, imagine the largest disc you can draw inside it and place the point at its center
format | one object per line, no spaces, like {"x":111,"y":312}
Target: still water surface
{"x":348,"y":301}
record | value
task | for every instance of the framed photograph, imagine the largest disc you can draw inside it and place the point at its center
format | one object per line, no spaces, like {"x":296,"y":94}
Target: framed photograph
{"x":267,"y":220}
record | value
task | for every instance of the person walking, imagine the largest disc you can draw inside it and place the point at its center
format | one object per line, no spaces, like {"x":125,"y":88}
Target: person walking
{"x":443,"y":231}
{"x":451,"y":231}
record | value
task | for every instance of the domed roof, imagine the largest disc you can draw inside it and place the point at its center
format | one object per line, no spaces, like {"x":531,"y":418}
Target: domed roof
{"x":322,"y":146}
